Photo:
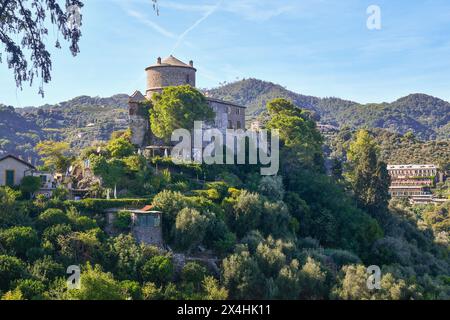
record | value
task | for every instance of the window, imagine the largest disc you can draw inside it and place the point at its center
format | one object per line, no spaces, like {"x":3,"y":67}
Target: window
{"x":239,"y":125}
{"x":230,"y":124}
{"x":188,"y":79}
{"x":10,"y":178}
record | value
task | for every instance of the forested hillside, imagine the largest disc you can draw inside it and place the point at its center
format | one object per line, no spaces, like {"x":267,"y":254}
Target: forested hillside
{"x":79,"y":121}
{"x":299,"y":235}
{"x":85,"y":119}
{"x":427,"y":117}
{"x":395,"y":148}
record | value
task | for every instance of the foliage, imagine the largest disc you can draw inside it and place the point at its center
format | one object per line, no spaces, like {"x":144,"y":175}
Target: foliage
{"x":17,"y":240}
{"x":30,"y":185}
{"x":122,"y":220}
{"x":120,"y":146}
{"x":54,"y":154}
{"x":11,"y":268}
{"x":178,"y":108}
{"x":24,"y":30}
{"x":190,"y":228}
{"x":97,"y":285}
{"x":159,"y":270}
{"x":368,"y":177}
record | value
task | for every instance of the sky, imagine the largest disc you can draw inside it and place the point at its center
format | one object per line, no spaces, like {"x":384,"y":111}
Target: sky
{"x":313,"y":47}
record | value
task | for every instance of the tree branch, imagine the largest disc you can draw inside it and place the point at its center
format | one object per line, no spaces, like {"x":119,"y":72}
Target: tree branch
{"x":3,"y":8}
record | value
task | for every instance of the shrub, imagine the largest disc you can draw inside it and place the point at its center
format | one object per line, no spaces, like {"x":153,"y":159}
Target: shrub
{"x":158,"y":269}
{"x":51,"y":217}
{"x":11,"y":268}
{"x":18,"y":240}
{"x":100,"y":205}
{"x":122,"y":220}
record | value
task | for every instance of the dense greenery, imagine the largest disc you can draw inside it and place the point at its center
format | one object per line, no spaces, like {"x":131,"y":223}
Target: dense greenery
{"x":178,"y":107}
{"x":299,"y":235}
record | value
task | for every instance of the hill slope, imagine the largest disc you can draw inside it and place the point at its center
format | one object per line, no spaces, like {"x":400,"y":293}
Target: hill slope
{"x":85,"y":119}
{"x":80,"y":121}
{"x":426,"y":116}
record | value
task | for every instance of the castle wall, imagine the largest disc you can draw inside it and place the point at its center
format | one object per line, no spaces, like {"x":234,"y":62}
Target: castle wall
{"x":139,"y":124}
{"x":228,"y":115}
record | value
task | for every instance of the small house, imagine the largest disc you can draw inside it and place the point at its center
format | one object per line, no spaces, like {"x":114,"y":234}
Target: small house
{"x":13,"y":170}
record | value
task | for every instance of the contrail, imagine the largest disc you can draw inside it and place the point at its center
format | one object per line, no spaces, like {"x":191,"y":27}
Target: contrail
{"x":205,"y":16}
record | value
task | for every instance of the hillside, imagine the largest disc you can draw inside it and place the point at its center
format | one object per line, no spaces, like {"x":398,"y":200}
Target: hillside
{"x":85,"y":119}
{"x":79,"y":121}
{"x":426,"y":116}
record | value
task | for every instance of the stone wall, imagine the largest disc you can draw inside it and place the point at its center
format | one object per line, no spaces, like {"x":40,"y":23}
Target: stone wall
{"x":139,"y":124}
{"x":165,"y":76}
{"x":228,"y":115}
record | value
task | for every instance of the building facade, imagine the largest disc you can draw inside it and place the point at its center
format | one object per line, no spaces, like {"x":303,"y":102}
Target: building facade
{"x":13,"y":170}
{"x":415,"y":180}
{"x":173,"y":72}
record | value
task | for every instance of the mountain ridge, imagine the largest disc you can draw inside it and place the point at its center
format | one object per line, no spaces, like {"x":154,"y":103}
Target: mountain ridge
{"x":84,"y":119}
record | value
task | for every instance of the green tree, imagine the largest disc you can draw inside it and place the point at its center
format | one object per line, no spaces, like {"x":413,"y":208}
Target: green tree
{"x":368,"y":177}
{"x":97,"y":285}
{"x":190,"y":228}
{"x":244,"y":212}
{"x":151,"y":292}
{"x":301,"y":142}
{"x":178,"y":107}
{"x":128,"y":256}
{"x":159,"y":270}
{"x":120,"y":145}
{"x":55,"y":155}
{"x":52,"y":217}
{"x":194,"y":273}
{"x":122,"y":220}
{"x":30,"y":185}
{"x":11,"y":268}
{"x":212,"y":289}
{"x":17,"y":240}
{"x":47,"y":269}
{"x":352,"y":285}
{"x":31,"y":289}
{"x":242,"y":276}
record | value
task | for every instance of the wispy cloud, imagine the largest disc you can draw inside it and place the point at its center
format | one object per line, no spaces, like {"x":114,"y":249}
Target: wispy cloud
{"x":143,"y":19}
{"x":255,"y":10}
{"x":196,"y":23}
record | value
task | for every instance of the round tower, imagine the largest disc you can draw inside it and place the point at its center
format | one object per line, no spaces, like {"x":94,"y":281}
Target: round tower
{"x":169,"y":72}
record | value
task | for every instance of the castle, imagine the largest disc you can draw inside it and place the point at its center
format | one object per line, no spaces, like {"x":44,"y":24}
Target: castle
{"x":173,"y":72}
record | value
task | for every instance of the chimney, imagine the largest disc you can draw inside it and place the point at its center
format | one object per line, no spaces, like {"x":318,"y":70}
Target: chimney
{"x":191,"y":63}
{"x":159,"y":60}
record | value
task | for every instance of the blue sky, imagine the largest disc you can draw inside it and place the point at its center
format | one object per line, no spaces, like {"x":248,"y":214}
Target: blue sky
{"x":314,"y":47}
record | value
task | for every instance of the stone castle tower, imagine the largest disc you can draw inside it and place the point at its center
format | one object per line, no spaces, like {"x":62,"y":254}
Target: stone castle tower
{"x":173,"y":72}
{"x":169,"y":72}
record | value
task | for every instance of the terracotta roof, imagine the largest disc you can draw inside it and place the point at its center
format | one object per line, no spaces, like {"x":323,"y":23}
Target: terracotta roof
{"x":137,"y":96}
{"x":147,"y":208}
{"x":18,"y":159}
{"x":171,"y":61}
